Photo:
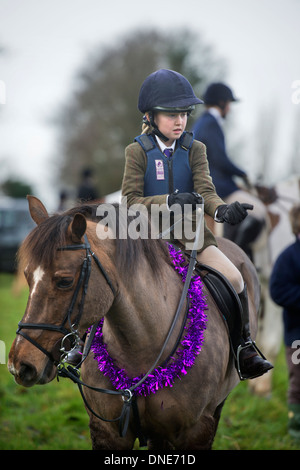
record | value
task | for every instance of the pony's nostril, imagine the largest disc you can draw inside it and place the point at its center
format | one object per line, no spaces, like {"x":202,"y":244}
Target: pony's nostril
{"x":27,"y":374}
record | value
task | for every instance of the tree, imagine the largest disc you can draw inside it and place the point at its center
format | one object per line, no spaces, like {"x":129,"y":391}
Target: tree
{"x":16,"y":188}
{"x":101,"y":117}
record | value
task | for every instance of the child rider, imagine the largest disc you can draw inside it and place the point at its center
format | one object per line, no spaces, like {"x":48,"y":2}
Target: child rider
{"x":154,"y":176}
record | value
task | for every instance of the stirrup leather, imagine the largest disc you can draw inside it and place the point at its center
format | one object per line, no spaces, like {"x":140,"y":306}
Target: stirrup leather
{"x":241,"y":348}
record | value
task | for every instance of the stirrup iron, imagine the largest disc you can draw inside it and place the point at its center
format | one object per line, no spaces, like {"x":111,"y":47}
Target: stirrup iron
{"x":241,"y":348}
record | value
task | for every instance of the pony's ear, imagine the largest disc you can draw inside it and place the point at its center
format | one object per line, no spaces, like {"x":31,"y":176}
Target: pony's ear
{"x":37,"y":210}
{"x":77,"y":228}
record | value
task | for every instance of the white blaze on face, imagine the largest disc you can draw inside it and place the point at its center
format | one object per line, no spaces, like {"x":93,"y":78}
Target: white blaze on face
{"x":37,"y":277}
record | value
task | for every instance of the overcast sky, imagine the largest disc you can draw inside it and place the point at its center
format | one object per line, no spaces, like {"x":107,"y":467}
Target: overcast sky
{"x":47,"y":41}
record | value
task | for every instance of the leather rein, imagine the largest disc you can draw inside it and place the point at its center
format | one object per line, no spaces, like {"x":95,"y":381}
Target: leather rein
{"x":72,"y":337}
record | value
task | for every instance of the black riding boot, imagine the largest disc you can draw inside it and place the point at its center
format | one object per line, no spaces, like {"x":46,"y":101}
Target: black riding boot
{"x":250,"y":361}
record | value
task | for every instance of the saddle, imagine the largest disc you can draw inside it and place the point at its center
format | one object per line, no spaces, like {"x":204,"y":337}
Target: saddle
{"x":224,"y":296}
{"x":226,"y":299}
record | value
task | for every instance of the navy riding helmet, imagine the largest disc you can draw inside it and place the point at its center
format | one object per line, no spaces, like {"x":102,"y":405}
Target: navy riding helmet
{"x":217,"y":92}
{"x":166,"y":90}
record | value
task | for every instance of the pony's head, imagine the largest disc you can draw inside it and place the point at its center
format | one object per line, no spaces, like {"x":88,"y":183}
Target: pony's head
{"x":67,"y":290}
{"x":54,"y":258}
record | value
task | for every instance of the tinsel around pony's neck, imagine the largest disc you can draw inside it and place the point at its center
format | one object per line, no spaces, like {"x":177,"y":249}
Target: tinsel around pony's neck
{"x":184,"y":358}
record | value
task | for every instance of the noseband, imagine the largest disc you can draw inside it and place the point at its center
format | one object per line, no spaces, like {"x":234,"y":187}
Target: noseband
{"x":70,"y":336}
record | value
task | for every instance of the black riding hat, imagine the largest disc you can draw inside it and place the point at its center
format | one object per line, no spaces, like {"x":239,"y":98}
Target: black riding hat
{"x":217,"y":92}
{"x":166,"y":90}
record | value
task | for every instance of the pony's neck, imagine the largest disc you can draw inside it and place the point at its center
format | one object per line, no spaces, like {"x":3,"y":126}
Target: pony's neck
{"x":138,"y":322}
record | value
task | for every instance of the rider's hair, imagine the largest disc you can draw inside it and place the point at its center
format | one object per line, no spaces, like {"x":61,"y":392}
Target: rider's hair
{"x":146,"y":126}
{"x":295,"y":219}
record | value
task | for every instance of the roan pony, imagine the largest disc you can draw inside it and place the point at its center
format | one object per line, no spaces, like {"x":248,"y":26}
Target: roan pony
{"x":136,"y":290}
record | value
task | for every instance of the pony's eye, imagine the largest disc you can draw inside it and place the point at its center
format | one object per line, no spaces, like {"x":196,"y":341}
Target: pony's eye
{"x":64,"y":283}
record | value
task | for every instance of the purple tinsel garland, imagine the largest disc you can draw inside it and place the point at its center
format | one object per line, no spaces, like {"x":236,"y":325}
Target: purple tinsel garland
{"x":190,"y":345}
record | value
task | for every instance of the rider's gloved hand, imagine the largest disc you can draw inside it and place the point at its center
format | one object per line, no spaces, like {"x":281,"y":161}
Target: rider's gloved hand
{"x":184,"y":198}
{"x":233,"y":213}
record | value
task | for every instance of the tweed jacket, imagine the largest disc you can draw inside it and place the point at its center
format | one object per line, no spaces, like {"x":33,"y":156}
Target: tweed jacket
{"x":133,"y":182}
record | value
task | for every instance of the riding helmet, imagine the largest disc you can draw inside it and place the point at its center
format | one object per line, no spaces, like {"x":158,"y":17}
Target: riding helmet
{"x":217,"y":92}
{"x":166,"y":90}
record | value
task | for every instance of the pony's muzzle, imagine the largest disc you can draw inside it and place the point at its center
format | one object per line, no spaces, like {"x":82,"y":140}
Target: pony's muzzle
{"x":25,"y":374}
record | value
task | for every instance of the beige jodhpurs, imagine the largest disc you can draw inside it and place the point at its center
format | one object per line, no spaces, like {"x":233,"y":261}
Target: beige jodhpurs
{"x":214,"y":257}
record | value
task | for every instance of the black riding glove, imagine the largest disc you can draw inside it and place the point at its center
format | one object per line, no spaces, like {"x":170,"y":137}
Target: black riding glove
{"x":233,"y":213}
{"x":184,"y":198}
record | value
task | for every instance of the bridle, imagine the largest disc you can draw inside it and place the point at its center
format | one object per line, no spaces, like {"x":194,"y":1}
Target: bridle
{"x":70,"y":336}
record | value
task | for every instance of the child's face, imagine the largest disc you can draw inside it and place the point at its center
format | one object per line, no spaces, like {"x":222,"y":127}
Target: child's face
{"x":171,"y":125}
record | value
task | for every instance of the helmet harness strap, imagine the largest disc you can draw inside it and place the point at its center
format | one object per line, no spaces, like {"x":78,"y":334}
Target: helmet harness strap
{"x":151,"y":122}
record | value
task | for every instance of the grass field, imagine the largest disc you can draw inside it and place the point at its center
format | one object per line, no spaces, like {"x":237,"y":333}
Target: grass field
{"x":52,"y":417}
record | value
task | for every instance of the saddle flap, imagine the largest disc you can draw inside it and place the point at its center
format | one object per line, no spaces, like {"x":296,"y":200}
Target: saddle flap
{"x":226,"y":300}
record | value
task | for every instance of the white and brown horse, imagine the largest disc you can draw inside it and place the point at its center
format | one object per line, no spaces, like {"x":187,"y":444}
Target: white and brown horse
{"x":274,"y":237}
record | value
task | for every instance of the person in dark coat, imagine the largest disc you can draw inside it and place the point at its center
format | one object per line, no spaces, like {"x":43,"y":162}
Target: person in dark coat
{"x":209,"y":130}
{"x":87,"y":190}
{"x":285,"y":291}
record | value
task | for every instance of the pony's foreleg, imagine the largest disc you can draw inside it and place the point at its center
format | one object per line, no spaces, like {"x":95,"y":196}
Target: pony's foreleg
{"x":158,"y":443}
{"x":197,"y":437}
{"x":201,"y":436}
{"x":105,"y":436}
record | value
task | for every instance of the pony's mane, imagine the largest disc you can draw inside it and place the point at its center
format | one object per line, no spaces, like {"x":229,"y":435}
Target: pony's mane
{"x":42,"y":243}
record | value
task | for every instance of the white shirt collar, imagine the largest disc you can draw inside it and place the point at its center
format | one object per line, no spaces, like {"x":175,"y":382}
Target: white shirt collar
{"x":163,"y":146}
{"x":216,"y":113}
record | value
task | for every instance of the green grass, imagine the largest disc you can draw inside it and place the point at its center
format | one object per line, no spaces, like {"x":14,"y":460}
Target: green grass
{"x":41,"y":417}
{"x":53,"y":416}
{"x":249,"y":422}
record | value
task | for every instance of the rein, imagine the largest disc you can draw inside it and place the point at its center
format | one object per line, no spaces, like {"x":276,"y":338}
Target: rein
{"x":128,"y":394}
